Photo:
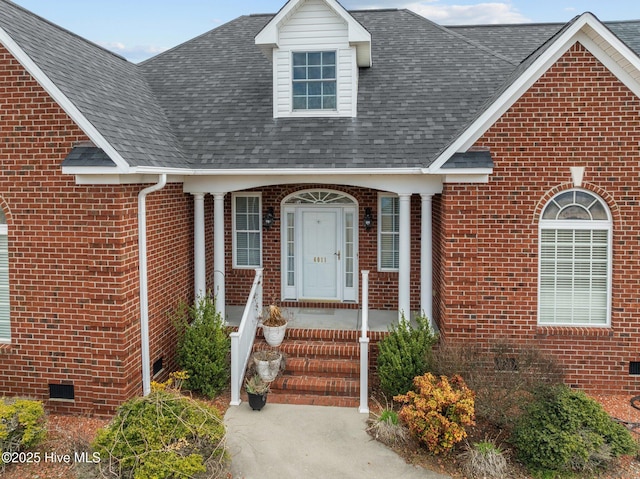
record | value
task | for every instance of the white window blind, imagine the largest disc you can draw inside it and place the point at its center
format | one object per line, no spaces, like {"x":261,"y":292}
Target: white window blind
{"x":389,"y":233}
{"x":5,"y":317}
{"x":575,"y":261}
{"x":247,"y":231}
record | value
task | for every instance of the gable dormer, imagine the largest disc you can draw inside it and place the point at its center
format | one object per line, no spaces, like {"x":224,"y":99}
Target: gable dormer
{"x":316,"y":47}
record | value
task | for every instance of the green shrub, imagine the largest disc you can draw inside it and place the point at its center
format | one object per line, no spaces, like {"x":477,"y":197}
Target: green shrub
{"x":565,"y":431}
{"x":163,"y":435}
{"x":204,"y":347}
{"x":22,"y":424}
{"x":438,"y":411}
{"x":404,"y":354}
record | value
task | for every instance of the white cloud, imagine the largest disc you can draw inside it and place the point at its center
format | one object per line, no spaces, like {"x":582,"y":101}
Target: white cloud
{"x":480,"y":13}
{"x":446,"y":13}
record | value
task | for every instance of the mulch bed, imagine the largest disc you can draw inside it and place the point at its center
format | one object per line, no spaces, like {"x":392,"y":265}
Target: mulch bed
{"x":618,"y":407}
{"x":71,"y":434}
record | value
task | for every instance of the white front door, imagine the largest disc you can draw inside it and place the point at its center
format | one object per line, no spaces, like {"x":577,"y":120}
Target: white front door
{"x":320,"y":255}
{"x":319,"y":247}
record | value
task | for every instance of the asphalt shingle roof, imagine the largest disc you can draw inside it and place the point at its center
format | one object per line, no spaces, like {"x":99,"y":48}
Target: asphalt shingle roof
{"x":207,"y":104}
{"x":217,"y":92}
{"x":109,"y":91}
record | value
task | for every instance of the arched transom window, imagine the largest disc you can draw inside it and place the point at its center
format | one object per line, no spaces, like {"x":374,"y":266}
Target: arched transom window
{"x":319,"y":197}
{"x":575,"y":260}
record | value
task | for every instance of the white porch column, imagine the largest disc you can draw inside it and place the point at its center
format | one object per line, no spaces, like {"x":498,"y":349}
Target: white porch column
{"x":404,"y":266}
{"x":219,"y":253}
{"x":199,"y":253}
{"x":426,"y":259}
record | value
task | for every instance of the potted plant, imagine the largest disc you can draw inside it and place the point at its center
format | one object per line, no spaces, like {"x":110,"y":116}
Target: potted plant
{"x":257,"y":390}
{"x":268,"y":363}
{"x":274,"y":326}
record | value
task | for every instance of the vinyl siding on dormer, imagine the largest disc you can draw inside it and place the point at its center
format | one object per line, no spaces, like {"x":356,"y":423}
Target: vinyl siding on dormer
{"x":314,"y":27}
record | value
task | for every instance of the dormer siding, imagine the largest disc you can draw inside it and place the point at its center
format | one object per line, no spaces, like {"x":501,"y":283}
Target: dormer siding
{"x":314,"y":27}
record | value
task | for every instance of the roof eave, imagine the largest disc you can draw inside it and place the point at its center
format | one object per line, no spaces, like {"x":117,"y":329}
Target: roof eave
{"x":267,"y":39}
{"x":62,"y":100}
{"x":575,"y":32}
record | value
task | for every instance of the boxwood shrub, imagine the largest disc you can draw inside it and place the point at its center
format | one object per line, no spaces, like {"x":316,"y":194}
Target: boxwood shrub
{"x":564,"y":431}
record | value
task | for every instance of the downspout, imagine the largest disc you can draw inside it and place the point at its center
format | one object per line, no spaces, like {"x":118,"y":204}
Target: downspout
{"x":144,"y":290}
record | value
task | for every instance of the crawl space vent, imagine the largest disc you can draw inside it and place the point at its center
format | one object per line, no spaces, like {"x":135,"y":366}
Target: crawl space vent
{"x":634,"y":368}
{"x":157,"y":366}
{"x":61,"y":391}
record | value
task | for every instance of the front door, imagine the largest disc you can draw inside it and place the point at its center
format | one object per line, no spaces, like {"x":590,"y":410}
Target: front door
{"x":319,"y":246}
{"x":320,"y":253}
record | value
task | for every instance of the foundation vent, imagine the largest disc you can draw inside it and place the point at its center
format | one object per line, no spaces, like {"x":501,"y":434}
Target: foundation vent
{"x":634,"y":368}
{"x":64,"y":392}
{"x":157,"y":366}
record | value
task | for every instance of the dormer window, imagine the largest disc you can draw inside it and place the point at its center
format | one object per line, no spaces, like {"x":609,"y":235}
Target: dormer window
{"x":317,"y":49}
{"x":314,"y":80}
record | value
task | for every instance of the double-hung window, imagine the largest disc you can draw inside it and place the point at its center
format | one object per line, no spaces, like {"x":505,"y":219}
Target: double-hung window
{"x":5,"y":319}
{"x":247,"y":233}
{"x":314,"y":80}
{"x":575,"y":261}
{"x":388,"y":233}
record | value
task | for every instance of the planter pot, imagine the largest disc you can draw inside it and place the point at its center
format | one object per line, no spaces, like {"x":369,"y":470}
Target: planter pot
{"x":268,"y":368}
{"x":274,"y":335}
{"x":257,"y":401}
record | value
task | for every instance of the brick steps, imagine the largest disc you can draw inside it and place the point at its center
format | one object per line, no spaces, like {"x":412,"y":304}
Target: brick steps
{"x":322,"y":368}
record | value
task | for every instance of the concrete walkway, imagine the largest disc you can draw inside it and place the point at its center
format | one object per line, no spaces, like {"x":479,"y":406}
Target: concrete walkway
{"x":285,"y":441}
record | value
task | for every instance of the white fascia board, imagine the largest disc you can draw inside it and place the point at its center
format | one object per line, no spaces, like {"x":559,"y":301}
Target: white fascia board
{"x":572,"y":35}
{"x":118,"y":179}
{"x":359,"y":36}
{"x":309,"y":172}
{"x":62,"y":100}
{"x":466,"y":178}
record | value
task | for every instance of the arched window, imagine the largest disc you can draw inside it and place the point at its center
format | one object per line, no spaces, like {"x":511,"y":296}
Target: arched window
{"x":319,"y":197}
{"x":575,"y":260}
{"x":5,"y":320}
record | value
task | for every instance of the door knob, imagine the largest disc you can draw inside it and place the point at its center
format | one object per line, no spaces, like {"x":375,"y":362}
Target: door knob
{"x":338,"y":255}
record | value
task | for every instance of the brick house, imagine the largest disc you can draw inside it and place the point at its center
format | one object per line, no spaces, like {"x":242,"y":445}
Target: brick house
{"x":486,"y":175}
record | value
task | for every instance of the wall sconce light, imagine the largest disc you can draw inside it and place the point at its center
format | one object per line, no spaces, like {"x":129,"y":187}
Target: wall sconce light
{"x":268,"y":219}
{"x":368,"y":219}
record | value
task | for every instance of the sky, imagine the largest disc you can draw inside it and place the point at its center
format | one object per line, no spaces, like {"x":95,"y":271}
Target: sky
{"x":139,"y":29}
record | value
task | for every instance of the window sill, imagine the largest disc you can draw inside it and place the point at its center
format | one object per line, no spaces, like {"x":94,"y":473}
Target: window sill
{"x":589,"y":331}
{"x":5,"y":348}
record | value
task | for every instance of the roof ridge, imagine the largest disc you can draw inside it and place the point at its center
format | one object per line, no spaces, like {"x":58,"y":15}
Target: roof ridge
{"x":463,"y":38}
{"x":65,"y":30}
{"x":187,"y":42}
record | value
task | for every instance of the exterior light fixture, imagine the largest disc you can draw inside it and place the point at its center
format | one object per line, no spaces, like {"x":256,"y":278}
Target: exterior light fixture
{"x":368,"y":219}
{"x":268,"y":219}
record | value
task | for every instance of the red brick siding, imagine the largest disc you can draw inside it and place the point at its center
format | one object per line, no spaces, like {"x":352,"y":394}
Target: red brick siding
{"x":383,"y":285}
{"x":73,"y":260}
{"x":576,"y":114}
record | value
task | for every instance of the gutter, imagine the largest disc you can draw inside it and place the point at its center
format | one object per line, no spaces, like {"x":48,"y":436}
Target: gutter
{"x":144,"y":289}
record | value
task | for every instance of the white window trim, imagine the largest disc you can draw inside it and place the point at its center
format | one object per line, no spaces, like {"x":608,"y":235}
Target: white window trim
{"x":379,"y":220}
{"x":233,"y":219}
{"x":315,"y":111}
{"x":4,"y":231}
{"x":600,"y":225}
{"x":291,"y":292}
